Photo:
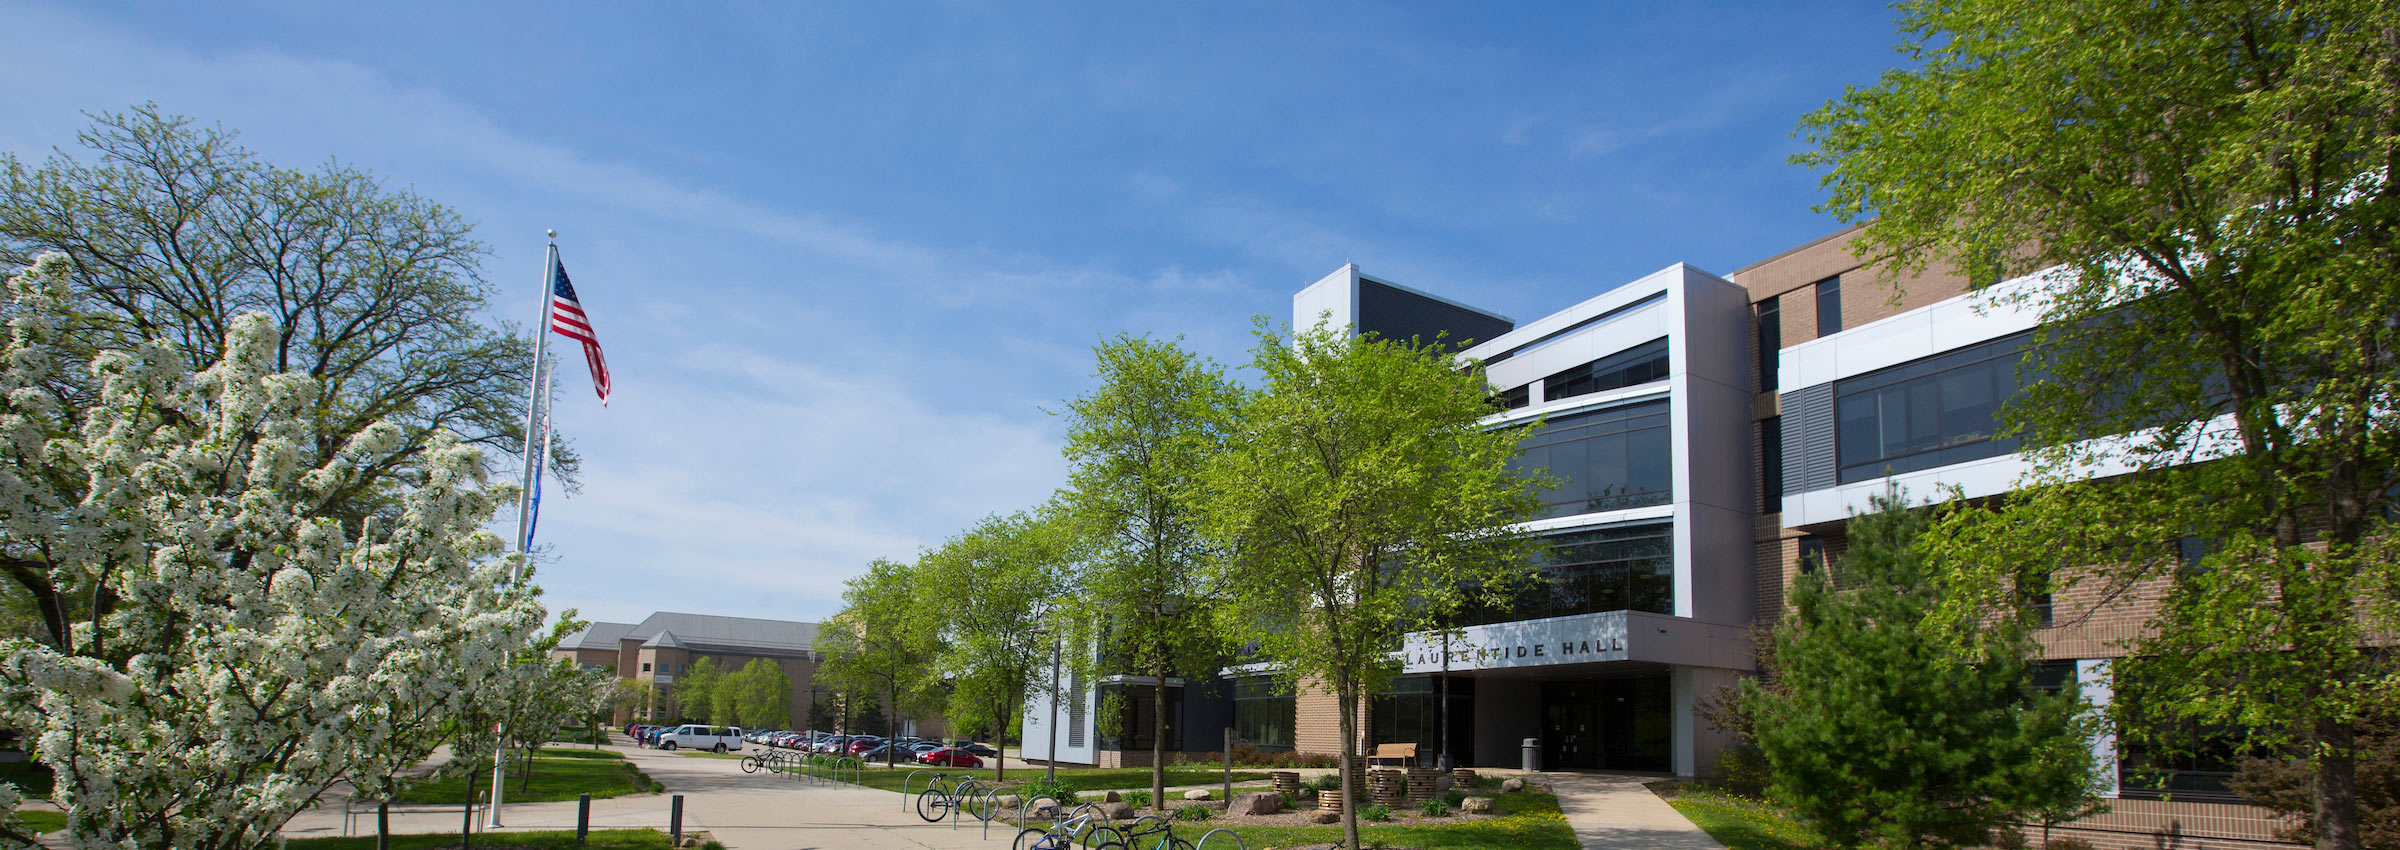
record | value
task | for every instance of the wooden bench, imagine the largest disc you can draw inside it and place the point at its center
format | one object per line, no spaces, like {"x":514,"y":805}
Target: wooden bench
{"x":1404,"y":753}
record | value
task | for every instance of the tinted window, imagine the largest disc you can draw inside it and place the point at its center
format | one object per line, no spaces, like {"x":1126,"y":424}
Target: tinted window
{"x":1640,"y":364}
{"x":1829,"y":306}
{"x":1511,"y":399}
{"x":1605,"y":460}
{"x":1770,"y":465}
{"x":1609,"y":569}
{"x":1770,"y":341}
{"x":1937,"y":411}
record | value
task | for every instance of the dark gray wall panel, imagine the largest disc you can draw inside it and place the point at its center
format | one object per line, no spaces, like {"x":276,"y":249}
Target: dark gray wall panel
{"x":1808,"y":439}
{"x":1398,"y":314}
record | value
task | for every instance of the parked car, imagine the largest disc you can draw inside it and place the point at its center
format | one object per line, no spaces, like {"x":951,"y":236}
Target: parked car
{"x":983,"y":750}
{"x":696,"y":737}
{"x":861,"y":744}
{"x":950,"y":757}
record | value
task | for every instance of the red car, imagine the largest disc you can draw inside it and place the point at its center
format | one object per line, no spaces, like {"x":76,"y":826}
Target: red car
{"x":860,"y":745}
{"x":951,"y":757}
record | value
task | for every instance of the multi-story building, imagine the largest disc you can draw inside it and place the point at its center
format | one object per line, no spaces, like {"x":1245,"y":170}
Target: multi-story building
{"x":1710,"y":435}
{"x":665,"y":645}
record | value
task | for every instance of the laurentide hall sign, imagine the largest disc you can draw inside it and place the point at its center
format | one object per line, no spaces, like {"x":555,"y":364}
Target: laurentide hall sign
{"x":1580,"y":639}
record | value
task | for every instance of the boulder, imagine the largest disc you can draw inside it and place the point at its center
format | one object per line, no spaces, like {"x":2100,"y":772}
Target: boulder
{"x":1195,"y":794}
{"x":1514,"y":784}
{"x":1009,"y":801}
{"x":1306,"y":794}
{"x":1117,"y":810}
{"x":1045,"y":811}
{"x":1110,"y":797}
{"x":1325,"y":816}
{"x":1476,"y":806}
{"x":1256,"y":803}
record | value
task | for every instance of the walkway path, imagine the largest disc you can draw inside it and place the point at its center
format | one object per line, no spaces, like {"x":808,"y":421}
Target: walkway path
{"x":1620,"y":813}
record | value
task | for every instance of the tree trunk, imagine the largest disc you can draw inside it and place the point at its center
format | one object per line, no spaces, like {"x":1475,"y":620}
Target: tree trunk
{"x":1000,"y":744}
{"x":2337,"y":786}
{"x":525,"y":777}
{"x":1158,"y":737}
{"x":1347,"y":699}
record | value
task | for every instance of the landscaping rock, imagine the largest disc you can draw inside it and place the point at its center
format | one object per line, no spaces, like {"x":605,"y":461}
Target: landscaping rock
{"x":1116,"y":810}
{"x":1323,"y":816}
{"x":1476,"y":806}
{"x":1009,"y":801}
{"x":1256,"y":803}
{"x":1513,"y":785}
{"x":1195,"y":794}
{"x":1110,"y":797}
{"x":1044,"y":811}
{"x":1305,"y":795}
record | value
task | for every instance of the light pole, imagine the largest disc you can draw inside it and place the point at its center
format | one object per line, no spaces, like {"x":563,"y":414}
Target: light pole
{"x":1444,"y":764}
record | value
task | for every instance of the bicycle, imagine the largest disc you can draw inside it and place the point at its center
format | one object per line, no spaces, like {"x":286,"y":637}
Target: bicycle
{"x":938,"y":801}
{"x":1062,"y":834}
{"x":1133,"y":835}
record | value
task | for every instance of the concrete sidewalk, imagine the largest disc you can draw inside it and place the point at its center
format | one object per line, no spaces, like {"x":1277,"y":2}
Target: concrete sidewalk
{"x":1620,"y":813}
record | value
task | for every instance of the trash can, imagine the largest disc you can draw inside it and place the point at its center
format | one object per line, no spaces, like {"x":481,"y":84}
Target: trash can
{"x":1533,"y":754}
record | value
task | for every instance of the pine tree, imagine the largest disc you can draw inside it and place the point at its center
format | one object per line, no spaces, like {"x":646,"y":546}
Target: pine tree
{"x":1875,"y":733}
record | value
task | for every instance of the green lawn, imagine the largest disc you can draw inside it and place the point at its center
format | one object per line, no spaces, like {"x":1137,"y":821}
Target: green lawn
{"x":1085,"y":778}
{"x":43,"y":820}
{"x":569,"y":753}
{"x":1526,"y":821}
{"x":1740,"y":823}
{"x":555,"y":778}
{"x":601,"y":839}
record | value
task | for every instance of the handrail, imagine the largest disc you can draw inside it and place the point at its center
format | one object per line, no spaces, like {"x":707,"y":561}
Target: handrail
{"x":1204,"y":837}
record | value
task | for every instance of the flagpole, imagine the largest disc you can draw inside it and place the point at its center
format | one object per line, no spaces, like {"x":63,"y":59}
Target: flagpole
{"x":536,"y":397}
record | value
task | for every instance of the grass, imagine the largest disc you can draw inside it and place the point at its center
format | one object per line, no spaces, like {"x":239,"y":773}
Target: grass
{"x":601,"y":839}
{"x":555,"y":778}
{"x":565,"y":753}
{"x":1740,"y":823}
{"x":1527,"y":821}
{"x":1086,"y":779}
{"x":42,"y":820}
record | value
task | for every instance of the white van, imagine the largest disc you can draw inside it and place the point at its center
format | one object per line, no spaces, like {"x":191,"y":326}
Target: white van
{"x":718,"y":738}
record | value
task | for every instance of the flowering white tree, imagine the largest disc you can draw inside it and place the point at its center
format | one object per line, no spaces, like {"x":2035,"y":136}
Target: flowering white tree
{"x":233,"y":649}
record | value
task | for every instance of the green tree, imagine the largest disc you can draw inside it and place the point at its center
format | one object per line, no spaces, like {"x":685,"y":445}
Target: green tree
{"x":1361,"y":497}
{"x":1875,"y":734}
{"x":765,"y":695}
{"x":1012,"y":570}
{"x":820,"y":714}
{"x":725,"y":699}
{"x":696,"y":690}
{"x":1139,"y":443}
{"x":882,"y":646}
{"x":2214,"y":184}
{"x":871,"y":719}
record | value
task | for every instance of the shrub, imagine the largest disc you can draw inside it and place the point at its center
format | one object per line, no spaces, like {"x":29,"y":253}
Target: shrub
{"x":1326,"y":782}
{"x":1194,"y":813}
{"x":1136,"y":799}
{"x":1435,"y":808}
{"x":1452,"y":798}
{"x":1376,"y":813}
{"x":1060,"y":789}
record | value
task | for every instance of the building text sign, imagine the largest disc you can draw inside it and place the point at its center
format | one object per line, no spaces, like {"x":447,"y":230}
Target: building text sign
{"x":1579,"y":639}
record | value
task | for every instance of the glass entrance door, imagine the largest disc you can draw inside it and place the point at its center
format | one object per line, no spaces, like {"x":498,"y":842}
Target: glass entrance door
{"x":1608,"y":724}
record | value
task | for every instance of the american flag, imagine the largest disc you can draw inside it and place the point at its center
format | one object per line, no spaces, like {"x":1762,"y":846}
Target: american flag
{"x":566,"y":317}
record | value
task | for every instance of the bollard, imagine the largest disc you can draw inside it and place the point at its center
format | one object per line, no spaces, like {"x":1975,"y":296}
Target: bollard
{"x":583,"y":818}
{"x":675,"y":822}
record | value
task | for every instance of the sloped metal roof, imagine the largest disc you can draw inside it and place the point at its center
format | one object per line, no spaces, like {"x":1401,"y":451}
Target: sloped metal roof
{"x":664,"y":640}
{"x":708,"y":631}
{"x":597,"y":636}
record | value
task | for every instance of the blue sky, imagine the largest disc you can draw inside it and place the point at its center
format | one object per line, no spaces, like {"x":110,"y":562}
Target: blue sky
{"x":844,"y":258}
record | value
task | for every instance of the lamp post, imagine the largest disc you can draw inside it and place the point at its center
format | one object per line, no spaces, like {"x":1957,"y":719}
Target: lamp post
{"x":1050,"y":773}
{"x":1444,"y":764}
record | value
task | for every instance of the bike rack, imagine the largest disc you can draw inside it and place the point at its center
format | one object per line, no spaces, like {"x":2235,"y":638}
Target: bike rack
{"x":959,"y":796}
{"x":1204,"y":837}
{"x":988,"y":807}
{"x":857,"y":768}
{"x":912,"y":778}
{"x":1026,"y":804}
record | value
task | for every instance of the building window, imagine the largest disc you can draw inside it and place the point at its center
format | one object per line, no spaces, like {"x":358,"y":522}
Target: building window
{"x":1609,"y":569}
{"x":1770,"y":465}
{"x":1829,"y":306}
{"x":1606,"y":460}
{"x":1934,"y":412}
{"x":1770,"y":341}
{"x":1264,"y":714}
{"x":645,"y":666}
{"x":1410,"y":712}
{"x":1138,"y":707}
{"x":1640,"y":364}
{"x":2191,"y":555}
{"x":1513,"y":398}
{"x":1812,"y":554}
